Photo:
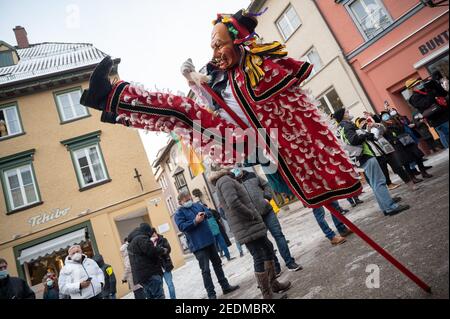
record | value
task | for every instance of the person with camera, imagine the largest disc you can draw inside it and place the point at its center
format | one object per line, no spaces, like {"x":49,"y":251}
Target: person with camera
{"x":431,"y":99}
{"x":366,"y":159}
{"x":191,"y":219}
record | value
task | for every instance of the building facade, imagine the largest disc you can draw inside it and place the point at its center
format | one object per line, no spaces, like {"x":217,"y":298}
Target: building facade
{"x":299,"y":25}
{"x":388,"y":42}
{"x":66,"y":177}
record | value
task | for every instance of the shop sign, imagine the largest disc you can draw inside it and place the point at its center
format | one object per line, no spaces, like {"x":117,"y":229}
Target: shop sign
{"x":434,"y":43}
{"x":164,"y":228}
{"x":46,"y":217}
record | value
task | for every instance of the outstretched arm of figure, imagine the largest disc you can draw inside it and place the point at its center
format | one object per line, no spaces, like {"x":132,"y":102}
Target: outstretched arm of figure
{"x":155,"y":111}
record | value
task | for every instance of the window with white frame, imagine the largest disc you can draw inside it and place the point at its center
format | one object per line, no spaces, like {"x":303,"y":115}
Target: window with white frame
{"x":163,"y":182}
{"x":288,"y":22}
{"x":69,"y":105}
{"x":180,"y":182}
{"x":9,"y":121}
{"x":370,"y":16}
{"x":330,"y":102}
{"x":21,"y":186}
{"x":171,"y":205}
{"x":312,"y":57}
{"x":89,"y":165}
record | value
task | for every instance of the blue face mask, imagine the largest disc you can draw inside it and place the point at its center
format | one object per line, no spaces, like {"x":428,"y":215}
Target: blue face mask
{"x":3,"y":274}
{"x":236,"y":171}
{"x":385,"y":117}
{"x":188,"y":204}
{"x":49,"y":283}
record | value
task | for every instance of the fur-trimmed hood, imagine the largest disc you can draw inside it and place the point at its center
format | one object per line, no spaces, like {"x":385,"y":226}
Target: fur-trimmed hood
{"x":215,"y":176}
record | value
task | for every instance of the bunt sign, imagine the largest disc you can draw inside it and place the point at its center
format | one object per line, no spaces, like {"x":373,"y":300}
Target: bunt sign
{"x":434,"y":43}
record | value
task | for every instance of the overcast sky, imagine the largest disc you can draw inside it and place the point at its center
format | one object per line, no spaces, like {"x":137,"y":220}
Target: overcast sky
{"x":151,"y":37}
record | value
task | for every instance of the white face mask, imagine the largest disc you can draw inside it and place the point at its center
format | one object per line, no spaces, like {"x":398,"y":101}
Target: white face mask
{"x":76,"y":257}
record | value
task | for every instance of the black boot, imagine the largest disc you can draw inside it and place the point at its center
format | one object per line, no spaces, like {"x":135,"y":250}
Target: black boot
{"x":425,"y":174}
{"x":99,"y":86}
{"x":108,"y":117}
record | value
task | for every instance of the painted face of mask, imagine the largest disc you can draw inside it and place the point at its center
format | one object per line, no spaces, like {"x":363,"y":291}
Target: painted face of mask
{"x":3,"y":274}
{"x":76,"y":257}
{"x":236,"y":171}
{"x":188,"y":204}
{"x":50,"y":283}
{"x":385,"y":117}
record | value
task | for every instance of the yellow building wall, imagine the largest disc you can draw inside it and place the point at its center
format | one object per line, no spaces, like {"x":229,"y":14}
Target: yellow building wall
{"x":55,"y":173}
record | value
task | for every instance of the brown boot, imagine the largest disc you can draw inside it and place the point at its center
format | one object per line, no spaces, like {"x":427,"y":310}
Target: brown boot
{"x":277,"y":286}
{"x":337,"y":240}
{"x":264,"y":285}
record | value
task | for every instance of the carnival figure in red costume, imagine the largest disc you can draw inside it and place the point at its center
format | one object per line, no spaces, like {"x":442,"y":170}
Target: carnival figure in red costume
{"x":260,"y":86}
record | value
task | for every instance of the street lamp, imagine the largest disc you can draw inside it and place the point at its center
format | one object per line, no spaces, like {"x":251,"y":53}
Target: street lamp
{"x":434,"y":3}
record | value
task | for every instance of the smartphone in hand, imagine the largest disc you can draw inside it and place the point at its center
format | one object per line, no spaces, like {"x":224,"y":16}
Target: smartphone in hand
{"x":89,"y":279}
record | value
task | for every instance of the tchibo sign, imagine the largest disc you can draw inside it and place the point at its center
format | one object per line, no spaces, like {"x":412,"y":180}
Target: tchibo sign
{"x":46,"y":217}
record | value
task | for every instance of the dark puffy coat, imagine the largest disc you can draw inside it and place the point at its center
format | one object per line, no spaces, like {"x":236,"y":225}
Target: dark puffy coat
{"x":145,"y":258}
{"x":166,"y":261}
{"x":245,"y":221}
{"x":406,"y":154}
{"x":15,"y":288}
{"x":110,"y":278}
{"x":198,"y":236}
{"x":258,"y":190}
{"x":424,"y":101}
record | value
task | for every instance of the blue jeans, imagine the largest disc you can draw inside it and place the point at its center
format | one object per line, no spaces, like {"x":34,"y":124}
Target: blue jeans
{"x":204,"y":255}
{"x":153,"y":288}
{"x":274,"y":227}
{"x":169,"y":282}
{"x":239,"y":247}
{"x":222,"y":245}
{"x":319,"y":214}
{"x":377,"y":182}
{"x":261,"y":250}
{"x":443,"y":133}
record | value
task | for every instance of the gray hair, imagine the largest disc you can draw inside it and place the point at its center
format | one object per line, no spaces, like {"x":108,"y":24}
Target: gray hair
{"x":182,"y":195}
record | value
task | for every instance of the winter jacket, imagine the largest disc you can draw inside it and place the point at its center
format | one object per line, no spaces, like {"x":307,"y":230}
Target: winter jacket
{"x":73,"y":273}
{"x":198,"y":236}
{"x":222,"y":229}
{"x":166,"y":261}
{"x":212,"y":223}
{"x":423,"y":100}
{"x":258,"y":190}
{"x":144,"y":256}
{"x":51,"y":293}
{"x":349,"y":135}
{"x":244,"y":220}
{"x":15,"y":288}
{"x":127,"y":275}
{"x":109,"y":287}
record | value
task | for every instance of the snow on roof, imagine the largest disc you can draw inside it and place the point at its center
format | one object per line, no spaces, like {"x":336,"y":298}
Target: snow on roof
{"x":48,"y":58}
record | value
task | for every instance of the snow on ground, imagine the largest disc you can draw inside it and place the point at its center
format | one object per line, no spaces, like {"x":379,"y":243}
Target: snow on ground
{"x":339,"y":272}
